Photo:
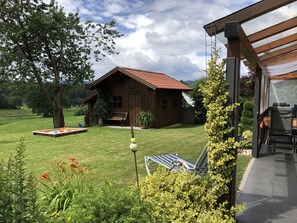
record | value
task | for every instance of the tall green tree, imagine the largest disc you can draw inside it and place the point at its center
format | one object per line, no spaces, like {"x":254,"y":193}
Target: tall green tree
{"x":197,"y":96}
{"x":9,"y":98}
{"x":40,"y":43}
{"x":247,"y":85}
{"x":34,"y":99}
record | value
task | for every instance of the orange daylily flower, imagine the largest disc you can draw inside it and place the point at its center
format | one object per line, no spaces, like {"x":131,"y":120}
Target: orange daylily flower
{"x":45,"y":176}
{"x":72,"y":160}
{"x":73,"y":166}
{"x":59,"y":165}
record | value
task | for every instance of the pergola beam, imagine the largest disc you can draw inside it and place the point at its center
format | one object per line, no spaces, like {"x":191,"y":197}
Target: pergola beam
{"x":246,"y":49}
{"x":288,"y":76}
{"x":279,"y":52}
{"x":273,"y":30}
{"x":276,"y":43}
{"x":246,"y":14}
{"x":289,"y":57}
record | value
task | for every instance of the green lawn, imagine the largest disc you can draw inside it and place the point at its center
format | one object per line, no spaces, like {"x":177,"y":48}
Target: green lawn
{"x":105,"y":150}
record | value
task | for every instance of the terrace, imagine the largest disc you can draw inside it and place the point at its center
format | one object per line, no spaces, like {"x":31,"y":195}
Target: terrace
{"x":263,"y":38}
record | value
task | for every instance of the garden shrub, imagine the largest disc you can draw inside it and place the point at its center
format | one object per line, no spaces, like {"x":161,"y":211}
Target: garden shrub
{"x":182,"y":197}
{"x":18,"y":196}
{"x":247,"y":113}
{"x":197,"y":96}
{"x":81,"y":111}
{"x":247,"y":142}
{"x":145,"y":118}
{"x":106,"y":203}
{"x":247,"y":117}
{"x":67,"y":198}
{"x":221,"y":144}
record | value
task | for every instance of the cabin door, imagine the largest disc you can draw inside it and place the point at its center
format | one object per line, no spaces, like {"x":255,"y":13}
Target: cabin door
{"x":136,"y":104}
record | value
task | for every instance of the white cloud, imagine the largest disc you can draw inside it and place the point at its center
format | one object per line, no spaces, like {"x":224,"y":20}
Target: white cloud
{"x":69,"y":5}
{"x":134,"y":21}
{"x":160,"y":35}
{"x":113,"y":7}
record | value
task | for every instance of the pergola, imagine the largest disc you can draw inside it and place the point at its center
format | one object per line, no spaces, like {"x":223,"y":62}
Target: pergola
{"x":270,"y":51}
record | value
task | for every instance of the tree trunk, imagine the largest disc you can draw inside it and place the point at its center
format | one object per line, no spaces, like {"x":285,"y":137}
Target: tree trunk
{"x":58,"y":116}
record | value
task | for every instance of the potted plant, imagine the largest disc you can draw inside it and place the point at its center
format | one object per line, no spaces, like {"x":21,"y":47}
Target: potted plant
{"x":145,"y":119}
{"x":101,"y":110}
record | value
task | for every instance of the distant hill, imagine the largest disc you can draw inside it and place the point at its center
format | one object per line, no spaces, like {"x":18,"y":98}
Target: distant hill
{"x":189,"y":83}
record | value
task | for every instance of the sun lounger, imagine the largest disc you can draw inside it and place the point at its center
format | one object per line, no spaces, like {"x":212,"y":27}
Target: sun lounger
{"x":176,"y":163}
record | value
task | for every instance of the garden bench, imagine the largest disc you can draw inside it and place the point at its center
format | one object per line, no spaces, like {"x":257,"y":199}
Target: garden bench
{"x":118,"y":116}
{"x":176,"y":163}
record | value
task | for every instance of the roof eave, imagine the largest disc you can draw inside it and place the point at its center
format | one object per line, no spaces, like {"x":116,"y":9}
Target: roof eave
{"x":100,"y":79}
{"x":181,"y":89}
{"x":88,"y":98}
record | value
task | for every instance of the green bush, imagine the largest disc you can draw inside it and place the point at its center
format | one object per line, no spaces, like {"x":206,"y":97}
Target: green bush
{"x":221,"y":144}
{"x":247,"y":142}
{"x":197,"y":96}
{"x":247,"y":117}
{"x":182,"y":197}
{"x":145,"y":118}
{"x":18,"y":199}
{"x":246,"y":122}
{"x":249,"y":105}
{"x":101,"y":108}
{"x":247,"y":113}
{"x":81,"y":111}
{"x":106,"y":203}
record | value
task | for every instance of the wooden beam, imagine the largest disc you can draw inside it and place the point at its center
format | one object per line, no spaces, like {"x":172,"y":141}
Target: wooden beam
{"x":289,"y":57}
{"x":246,"y":49}
{"x":288,"y":76}
{"x":276,"y":43}
{"x":245,"y":14}
{"x":278,"y":52}
{"x":285,"y":61}
{"x":273,"y":30}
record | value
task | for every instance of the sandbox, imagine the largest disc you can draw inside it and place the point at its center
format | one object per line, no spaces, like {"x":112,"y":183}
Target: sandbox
{"x":59,"y":131}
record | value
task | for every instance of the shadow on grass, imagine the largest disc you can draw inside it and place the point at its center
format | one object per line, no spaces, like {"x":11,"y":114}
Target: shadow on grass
{"x":183,"y":126}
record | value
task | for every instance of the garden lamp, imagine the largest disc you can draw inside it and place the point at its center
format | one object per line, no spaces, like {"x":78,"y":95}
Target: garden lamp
{"x":133,"y":147}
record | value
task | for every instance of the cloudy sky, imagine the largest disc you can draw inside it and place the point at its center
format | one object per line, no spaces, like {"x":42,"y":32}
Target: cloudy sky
{"x":159,"y":35}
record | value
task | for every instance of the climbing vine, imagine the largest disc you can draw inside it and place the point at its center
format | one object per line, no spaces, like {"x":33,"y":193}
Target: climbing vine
{"x":221,"y":146}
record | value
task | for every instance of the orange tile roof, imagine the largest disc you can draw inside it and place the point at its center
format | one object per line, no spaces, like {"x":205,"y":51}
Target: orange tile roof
{"x":159,"y":80}
{"x":153,"y":80}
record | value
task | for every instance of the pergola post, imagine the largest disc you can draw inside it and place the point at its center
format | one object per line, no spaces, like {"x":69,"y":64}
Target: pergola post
{"x":233,"y":78}
{"x":257,"y":96}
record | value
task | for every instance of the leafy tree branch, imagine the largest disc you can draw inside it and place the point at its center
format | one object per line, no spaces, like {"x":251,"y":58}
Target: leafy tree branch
{"x":41,"y":43}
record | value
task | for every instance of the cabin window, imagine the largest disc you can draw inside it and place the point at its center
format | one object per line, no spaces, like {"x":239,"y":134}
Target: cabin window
{"x":117,"y":101}
{"x":165,"y":104}
{"x":175,"y":103}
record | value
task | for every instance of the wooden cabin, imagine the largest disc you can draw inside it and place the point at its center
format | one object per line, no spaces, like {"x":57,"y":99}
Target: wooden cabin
{"x":135,"y":90}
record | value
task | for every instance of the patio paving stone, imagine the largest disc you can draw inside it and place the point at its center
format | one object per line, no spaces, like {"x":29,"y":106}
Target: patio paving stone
{"x":270,"y":190}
